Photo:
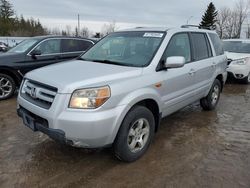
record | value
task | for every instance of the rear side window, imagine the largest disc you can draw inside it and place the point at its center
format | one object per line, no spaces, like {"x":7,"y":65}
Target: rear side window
{"x":179,"y":45}
{"x":73,"y":45}
{"x":218,"y":47}
{"x":201,"y":47}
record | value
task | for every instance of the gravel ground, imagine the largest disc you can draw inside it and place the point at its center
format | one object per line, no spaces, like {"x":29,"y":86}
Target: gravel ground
{"x":193,"y":148}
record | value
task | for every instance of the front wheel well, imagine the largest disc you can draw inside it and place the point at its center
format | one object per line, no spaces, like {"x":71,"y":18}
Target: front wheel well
{"x":12,"y":75}
{"x":154,"y":108}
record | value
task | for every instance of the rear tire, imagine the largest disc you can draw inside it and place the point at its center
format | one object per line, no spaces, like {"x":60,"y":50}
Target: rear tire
{"x":135,"y":134}
{"x":211,"y":100}
{"x":7,"y":86}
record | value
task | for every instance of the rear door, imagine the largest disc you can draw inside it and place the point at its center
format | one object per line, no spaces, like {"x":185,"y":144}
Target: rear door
{"x":72,"y":48}
{"x":50,"y":53}
{"x":203,"y":61}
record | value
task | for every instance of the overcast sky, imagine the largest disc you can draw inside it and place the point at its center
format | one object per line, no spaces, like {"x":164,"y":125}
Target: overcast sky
{"x":126,"y":13}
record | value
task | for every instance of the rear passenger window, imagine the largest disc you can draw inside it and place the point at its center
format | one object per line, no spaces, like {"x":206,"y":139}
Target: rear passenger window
{"x":179,"y":45}
{"x":73,"y":45}
{"x":84,"y":45}
{"x":216,"y":43}
{"x":201,"y":47}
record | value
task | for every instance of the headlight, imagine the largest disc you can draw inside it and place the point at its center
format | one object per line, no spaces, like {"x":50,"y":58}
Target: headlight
{"x":239,"y":62}
{"x":89,"y":98}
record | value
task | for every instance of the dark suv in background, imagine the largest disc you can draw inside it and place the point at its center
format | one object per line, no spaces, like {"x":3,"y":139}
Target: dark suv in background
{"x":34,"y":53}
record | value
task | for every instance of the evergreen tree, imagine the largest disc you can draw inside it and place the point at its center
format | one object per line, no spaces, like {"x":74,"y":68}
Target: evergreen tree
{"x":6,"y":17}
{"x":11,"y":25}
{"x":209,"y":17}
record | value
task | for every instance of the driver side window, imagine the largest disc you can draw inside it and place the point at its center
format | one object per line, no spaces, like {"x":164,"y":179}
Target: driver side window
{"x":49,"y":47}
{"x":179,"y":45}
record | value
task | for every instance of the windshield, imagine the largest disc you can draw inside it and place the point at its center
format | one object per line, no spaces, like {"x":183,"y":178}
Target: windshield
{"x":237,"y":46}
{"x":24,"y":46}
{"x":134,"y":49}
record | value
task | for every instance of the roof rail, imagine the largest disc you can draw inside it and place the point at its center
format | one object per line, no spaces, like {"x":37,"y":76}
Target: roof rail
{"x":187,"y":26}
{"x":199,"y":27}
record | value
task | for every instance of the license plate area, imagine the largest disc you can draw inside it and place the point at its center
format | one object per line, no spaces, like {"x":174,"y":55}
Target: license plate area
{"x":29,"y":121}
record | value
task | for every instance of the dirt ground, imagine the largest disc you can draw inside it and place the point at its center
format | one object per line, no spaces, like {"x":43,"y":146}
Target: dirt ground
{"x":193,"y":148}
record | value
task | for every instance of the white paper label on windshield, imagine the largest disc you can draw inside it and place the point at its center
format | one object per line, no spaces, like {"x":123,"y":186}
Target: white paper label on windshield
{"x":156,"y":35}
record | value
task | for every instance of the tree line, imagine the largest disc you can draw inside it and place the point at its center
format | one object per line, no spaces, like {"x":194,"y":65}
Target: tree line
{"x":12,"y":25}
{"x":228,"y":23}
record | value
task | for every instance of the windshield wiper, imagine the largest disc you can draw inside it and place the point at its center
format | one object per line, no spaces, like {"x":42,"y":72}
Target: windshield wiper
{"x":110,"y":62}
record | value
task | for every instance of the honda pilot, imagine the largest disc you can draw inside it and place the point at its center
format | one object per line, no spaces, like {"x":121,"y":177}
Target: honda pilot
{"x":118,"y":91}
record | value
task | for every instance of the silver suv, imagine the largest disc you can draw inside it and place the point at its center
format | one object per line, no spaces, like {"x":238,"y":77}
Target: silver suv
{"x":117,"y":92}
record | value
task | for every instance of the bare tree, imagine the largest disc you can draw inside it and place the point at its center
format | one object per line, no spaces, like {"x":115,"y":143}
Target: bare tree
{"x":55,"y":31}
{"x":85,"y":32}
{"x":68,"y":30}
{"x":222,"y":21}
{"x":242,"y":10}
{"x":229,"y":22}
{"x":108,"y":28}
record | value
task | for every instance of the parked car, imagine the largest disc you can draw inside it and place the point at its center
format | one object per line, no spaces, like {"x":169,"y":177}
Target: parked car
{"x":119,"y":90}
{"x":3,"y":47}
{"x":238,"y":53}
{"x":34,"y":53}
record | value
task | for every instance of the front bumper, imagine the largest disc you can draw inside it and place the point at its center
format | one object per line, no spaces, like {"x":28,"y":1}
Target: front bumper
{"x":38,"y":124}
{"x":79,"y":128}
{"x":238,"y":71}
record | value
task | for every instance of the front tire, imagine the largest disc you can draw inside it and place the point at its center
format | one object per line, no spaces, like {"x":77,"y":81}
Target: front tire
{"x":211,"y":100}
{"x":135,"y":134}
{"x":246,"y":80}
{"x":7,"y":86}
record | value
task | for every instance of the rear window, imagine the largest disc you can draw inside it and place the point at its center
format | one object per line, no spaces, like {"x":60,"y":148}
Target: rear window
{"x":201,"y":46}
{"x":218,"y":47}
{"x":73,"y":45}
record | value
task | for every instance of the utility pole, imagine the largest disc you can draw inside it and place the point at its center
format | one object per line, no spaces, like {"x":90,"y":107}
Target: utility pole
{"x":78,"y":25}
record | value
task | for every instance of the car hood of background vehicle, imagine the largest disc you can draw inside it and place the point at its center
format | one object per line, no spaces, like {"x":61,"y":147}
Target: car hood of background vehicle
{"x":71,"y":75}
{"x":7,"y":57}
{"x":235,"y":56}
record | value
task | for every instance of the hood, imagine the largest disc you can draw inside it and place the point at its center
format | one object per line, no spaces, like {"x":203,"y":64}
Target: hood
{"x":235,"y":56}
{"x":71,"y":75}
{"x":9,"y":57}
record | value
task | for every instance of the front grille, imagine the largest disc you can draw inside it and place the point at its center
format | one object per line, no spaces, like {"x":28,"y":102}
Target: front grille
{"x":39,"y":94}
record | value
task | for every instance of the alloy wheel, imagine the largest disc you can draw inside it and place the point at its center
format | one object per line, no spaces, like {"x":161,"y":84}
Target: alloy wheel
{"x":5,"y":87}
{"x":138,"y":135}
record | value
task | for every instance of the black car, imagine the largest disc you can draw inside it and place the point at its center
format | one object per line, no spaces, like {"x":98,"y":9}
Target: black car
{"x":34,"y":53}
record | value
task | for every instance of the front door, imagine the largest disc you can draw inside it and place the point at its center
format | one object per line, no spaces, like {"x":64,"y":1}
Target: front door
{"x":49,"y":53}
{"x":178,"y":82}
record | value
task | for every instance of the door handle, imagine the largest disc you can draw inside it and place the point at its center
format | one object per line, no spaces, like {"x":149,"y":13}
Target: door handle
{"x":192,"y":72}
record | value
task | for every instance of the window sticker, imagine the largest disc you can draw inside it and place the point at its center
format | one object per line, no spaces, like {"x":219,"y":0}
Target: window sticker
{"x":155,"y":35}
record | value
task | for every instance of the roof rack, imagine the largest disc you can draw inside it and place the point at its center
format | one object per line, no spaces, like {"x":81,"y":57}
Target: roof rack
{"x":199,"y":27}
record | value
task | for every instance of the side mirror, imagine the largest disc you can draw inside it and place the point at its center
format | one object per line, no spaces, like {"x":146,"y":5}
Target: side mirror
{"x":174,"y":62}
{"x":36,"y":52}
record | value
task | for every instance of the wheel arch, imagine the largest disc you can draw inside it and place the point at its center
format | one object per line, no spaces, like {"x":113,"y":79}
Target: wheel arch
{"x":220,"y":78}
{"x":11,"y":73}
